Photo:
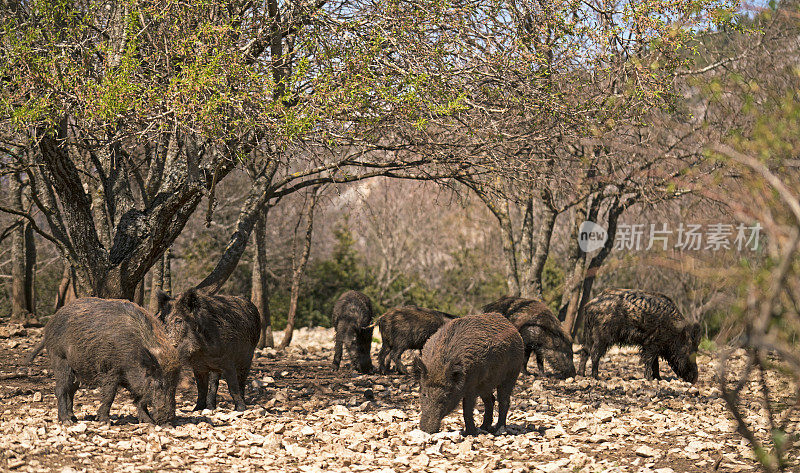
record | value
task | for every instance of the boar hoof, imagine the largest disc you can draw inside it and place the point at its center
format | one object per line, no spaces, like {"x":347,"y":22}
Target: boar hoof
{"x":241,"y":407}
{"x":473,"y":432}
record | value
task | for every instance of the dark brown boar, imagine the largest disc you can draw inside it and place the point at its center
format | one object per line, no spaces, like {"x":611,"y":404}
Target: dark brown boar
{"x":107,"y":344}
{"x":541,"y":332}
{"x":469,"y":357}
{"x":648,"y":320}
{"x":352,"y":316}
{"x":406,"y":328}
{"x":216,"y":335}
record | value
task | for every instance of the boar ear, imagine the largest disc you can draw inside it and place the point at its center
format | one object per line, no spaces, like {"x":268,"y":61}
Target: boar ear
{"x":420,"y":371}
{"x":456,"y":373}
{"x":163,"y":299}
{"x":150,"y":362}
{"x":189,"y":299}
{"x":696,"y":332}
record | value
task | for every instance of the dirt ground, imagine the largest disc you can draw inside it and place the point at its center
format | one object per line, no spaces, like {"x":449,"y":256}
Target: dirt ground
{"x":303,"y":416}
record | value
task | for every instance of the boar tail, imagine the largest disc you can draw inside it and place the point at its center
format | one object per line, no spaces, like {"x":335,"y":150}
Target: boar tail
{"x":377,"y":321}
{"x":35,"y":351}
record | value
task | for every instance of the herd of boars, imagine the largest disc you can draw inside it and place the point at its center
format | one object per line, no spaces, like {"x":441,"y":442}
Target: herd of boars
{"x":108,"y":343}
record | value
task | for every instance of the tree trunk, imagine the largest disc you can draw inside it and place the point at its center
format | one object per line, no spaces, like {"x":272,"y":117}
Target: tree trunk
{"x":260,"y":293}
{"x":138,"y":295}
{"x":586,"y":210}
{"x":156,"y":284}
{"x":540,"y":249}
{"x":614,"y":212}
{"x":66,"y":290}
{"x":166,"y":286}
{"x":19,"y":306}
{"x":30,"y":270}
{"x":509,"y":250}
{"x":297,"y":274}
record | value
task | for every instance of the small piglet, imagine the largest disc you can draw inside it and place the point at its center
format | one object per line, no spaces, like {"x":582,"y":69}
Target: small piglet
{"x":469,"y":357}
{"x":110,"y":343}
{"x":352,"y":315}
{"x":648,"y":320}
{"x":215,"y":335}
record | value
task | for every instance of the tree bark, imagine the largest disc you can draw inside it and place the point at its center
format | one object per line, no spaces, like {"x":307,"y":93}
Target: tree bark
{"x":19,"y":305}
{"x":138,"y":295}
{"x":260,"y":293}
{"x":586,"y":210}
{"x":531,"y":286}
{"x":156,"y":284}
{"x":299,"y":268}
{"x":167,"y":262}
{"x":30,"y":270}
{"x":66,"y":289}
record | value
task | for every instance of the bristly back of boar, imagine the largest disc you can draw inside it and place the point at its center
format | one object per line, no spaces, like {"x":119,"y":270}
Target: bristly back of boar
{"x":649,"y":320}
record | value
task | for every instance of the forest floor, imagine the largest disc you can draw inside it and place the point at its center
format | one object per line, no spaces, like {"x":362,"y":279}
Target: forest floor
{"x":303,"y":416}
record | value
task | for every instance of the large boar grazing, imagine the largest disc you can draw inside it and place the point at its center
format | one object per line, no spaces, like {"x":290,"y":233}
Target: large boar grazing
{"x":215,"y":335}
{"x":106,"y":344}
{"x":645,"y":319}
{"x":541,"y":332}
{"x":469,"y":357}
{"x":352,"y":316}
{"x":406,"y":328}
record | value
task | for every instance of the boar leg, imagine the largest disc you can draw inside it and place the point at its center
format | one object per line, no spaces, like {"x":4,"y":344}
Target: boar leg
{"x":229,"y":374}
{"x":213,"y":386}
{"x":488,"y":408}
{"x":382,"y":356}
{"x":141,"y":412}
{"x":398,"y":362}
{"x":650,"y":361}
{"x":201,"y":377}
{"x":241,"y":375}
{"x":540,"y":363}
{"x":597,"y":353}
{"x":337,"y":350}
{"x":584,"y":358}
{"x":468,"y":405}
{"x":528,"y":351}
{"x":107,"y":393}
{"x":66,"y":385}
{"x":504,"y":402}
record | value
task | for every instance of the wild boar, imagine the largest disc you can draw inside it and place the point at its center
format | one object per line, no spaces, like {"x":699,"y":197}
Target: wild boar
{"x":541,"y":332}
{"x":648,"y":320}
{"x":352,"y":315}
{"x":406,"y":328}
{"x":469,"y":357}
{"x":215,"y":335}
{"x":107,"y":344}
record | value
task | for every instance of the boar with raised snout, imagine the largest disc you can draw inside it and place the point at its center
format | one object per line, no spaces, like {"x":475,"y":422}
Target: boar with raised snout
{"x":469,"y":357}
{"x":541,"y":332}
{"x":648,"y":320}
{"x":352,"y":318}
{"x":406,"y":328}
{"x":216,"y":336}
{"x":107,"y":344}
